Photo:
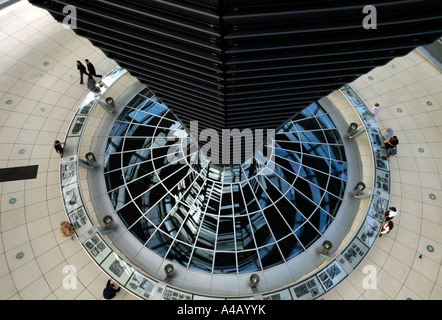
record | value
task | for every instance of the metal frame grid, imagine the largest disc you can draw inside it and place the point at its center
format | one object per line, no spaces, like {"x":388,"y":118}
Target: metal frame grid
{"x":224,"y":219}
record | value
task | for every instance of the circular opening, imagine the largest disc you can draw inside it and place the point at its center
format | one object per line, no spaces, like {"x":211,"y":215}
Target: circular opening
{"x":228,"y":218}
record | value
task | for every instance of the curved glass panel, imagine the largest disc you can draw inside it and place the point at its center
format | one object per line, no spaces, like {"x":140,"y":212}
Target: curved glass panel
{"x":229,"y":219}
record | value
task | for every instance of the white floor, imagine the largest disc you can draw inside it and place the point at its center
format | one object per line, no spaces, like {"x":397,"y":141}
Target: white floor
{"x":39,"y":90}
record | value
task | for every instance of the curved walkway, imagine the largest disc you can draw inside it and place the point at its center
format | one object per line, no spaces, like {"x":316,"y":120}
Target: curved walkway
{"x":40,"y":91}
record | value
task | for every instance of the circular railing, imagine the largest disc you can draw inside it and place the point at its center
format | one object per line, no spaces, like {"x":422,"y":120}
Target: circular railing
{"x":339,"y":264}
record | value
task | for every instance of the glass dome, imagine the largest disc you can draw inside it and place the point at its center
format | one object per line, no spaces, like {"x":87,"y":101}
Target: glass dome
{"x":223,"y":219}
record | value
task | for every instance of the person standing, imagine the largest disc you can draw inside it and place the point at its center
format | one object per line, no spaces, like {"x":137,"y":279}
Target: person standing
{"x":375,"y":109}
{"x":91,"y":83}
{"x":82,"y":70}
{"x":91,"y":69}
{"x":111,"y":289}
{"x":388,"y":132}
{"x":391,"y":213}
{"x":391,"y":142}
{"x":386,"y":228}
{"x":58,"y":147}
{"x":66,"y":229}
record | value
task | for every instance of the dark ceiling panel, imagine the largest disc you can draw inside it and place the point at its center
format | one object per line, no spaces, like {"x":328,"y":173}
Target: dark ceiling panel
{"x":250,"y":63}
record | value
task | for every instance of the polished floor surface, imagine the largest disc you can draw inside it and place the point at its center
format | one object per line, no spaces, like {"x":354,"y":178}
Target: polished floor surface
{"x":40,"y":90}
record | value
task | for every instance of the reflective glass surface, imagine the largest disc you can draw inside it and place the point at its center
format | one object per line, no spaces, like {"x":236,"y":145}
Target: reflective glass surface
{"x":223,"y":219}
